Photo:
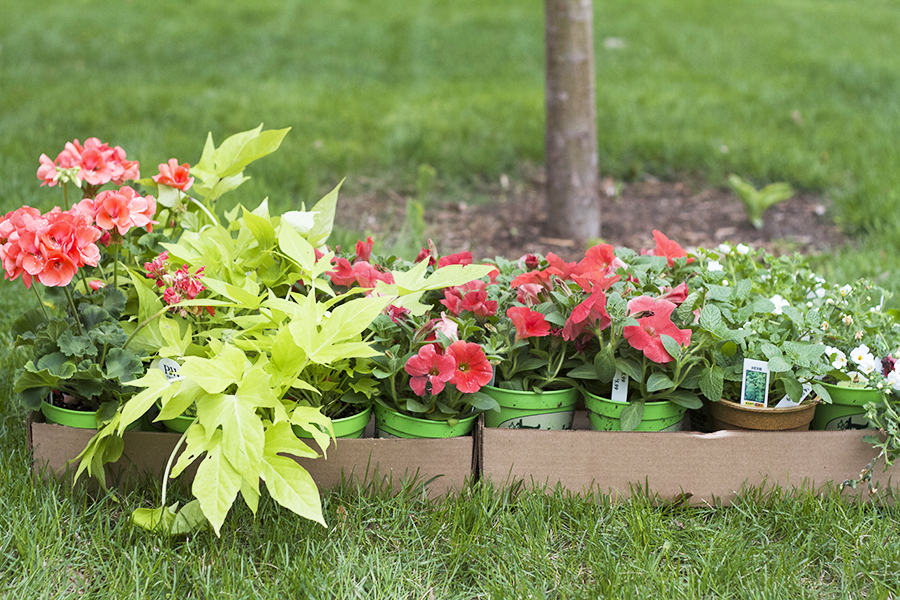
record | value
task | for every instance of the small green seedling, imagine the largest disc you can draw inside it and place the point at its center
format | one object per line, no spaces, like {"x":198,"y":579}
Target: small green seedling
{"x":757,"y":201}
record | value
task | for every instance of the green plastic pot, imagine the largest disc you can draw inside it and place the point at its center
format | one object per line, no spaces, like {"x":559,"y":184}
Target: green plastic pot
{"x":391,"y":424}
{"x":346,"y":427}
{"x":605,"y":414}
{"x":847,"y":408}
{"x":553,"y":409}
{"x":79,"y":419}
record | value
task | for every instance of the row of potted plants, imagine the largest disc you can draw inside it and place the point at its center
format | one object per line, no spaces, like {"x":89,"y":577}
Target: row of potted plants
{"x":248,"y":334}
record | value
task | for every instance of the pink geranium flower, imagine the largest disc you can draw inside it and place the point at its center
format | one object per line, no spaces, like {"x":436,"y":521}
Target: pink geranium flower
{"x":429,"y":367}
{"x":473,"y":371}
{"x":654,"y":321}
{"x":174,"y":175}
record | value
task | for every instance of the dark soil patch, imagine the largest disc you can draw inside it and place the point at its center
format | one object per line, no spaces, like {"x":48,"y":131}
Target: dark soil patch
{"x":514,"y":222}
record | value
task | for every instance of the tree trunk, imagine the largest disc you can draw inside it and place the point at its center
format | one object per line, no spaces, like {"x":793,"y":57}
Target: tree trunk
{"x":571,"y":136}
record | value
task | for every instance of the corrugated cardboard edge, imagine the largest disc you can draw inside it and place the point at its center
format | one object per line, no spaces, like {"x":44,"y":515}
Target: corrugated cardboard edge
{"x":441,"y":466}
{"x":702,"y":468}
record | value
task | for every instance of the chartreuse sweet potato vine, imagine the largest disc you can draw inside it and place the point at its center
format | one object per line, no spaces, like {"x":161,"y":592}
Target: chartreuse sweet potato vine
{"x":275,"y":317}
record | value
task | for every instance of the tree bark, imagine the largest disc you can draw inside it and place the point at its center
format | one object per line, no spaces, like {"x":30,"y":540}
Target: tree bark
{"x":571,"y":136}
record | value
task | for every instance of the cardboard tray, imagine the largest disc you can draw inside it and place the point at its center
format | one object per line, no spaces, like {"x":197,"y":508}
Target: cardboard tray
{"x":441,"y":465}
{"x":700,"y":468}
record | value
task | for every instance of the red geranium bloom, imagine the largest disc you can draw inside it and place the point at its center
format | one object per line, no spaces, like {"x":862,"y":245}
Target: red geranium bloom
{"x":473,"y":371}
{"x":528,"y":323}
{"x":646,"y":335}
{"x":666,"y":247}
{"x":174,"y":175}
{"x":430,"y":367}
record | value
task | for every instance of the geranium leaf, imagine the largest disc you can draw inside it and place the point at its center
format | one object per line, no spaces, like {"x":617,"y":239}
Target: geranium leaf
{"x":57,"y":365}
{"x":92,"y":315}
{"x":114,"y":301}
{"x":76,"y":345}
{"x":122,"y":365}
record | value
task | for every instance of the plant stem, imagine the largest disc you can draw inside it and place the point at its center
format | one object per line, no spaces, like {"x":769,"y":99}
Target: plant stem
{"x":115,"y":267}
{"x":74,"y":309}
{"x":40,"y":302}
{"x":165,"y":485}
{"x":66,"y":194}
{"x":205,"y":210}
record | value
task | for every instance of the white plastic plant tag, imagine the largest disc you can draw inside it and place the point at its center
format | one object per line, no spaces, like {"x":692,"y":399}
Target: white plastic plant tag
{"x":619,"y":387}
{"x":755,"y":383}
{"x":786,"y":402}
{"x":168,"y":366}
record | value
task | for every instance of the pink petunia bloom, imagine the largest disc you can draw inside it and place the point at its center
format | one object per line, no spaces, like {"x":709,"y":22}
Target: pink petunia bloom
{"x":676,"y":295}
{"x":473,"y":371}
{"x":529,"y":294}
{"x":174,"y":175}
{"x":590,"y":313}
{"x":343,"y":273}
{"x":528,"y":323}
{"x":430,"y":367}
{"x":364,"y":249}
{"x":666,"y":247}
{"x":542,"y":278}
{"x":654,"y":321}
{"x":460,"y":258}
{"x":471,"y":297}
{"x":600,"y":259}
{"x":565,"y":269}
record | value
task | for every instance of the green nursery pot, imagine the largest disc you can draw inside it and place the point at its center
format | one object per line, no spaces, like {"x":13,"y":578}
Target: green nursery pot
{"x":351,"y":427}
{"x":79,"y":419}
{"x":391,"y":424}
{"x":605,"y":415}
{"x":551,"y":409}
{"x":847,"y":408}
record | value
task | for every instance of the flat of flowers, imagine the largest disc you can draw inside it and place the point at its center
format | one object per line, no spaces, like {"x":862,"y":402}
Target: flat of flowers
{"x":446,"y":464}
{"x":708,"y":468}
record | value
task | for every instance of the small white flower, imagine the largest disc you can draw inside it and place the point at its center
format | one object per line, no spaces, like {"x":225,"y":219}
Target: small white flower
{"x":848,"y":320}
{"x":839,"y":360}
{"x":809,"y":305}
{"x":779,"y":303}
{"x":725,"y":249}
{"x":893,"y":380}
{"x":724,"y":282}
{"x":742,"y":249}
{"x":829,"y":301}
{"x":714,"y":265}
{"x":861,"y":354}
{"x":845,"y":291}
{"x":868,"y":366}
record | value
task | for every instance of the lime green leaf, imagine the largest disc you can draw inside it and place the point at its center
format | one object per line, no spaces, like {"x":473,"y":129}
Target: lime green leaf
{"x":296,"y":248}
{"x":250,"y":495}
{"x":216,"y":485}
{"x":156,"y":387}
{"x":312,"y":421}
{"x":324,"y":217}
{"x":260,"y":227}
{"x":239,"y":150}
{"x":216,"y":374}
{"x":167,"y":196}
{"x":196,"y":443}
{"x":169,"y":520}
{"x":288,"y":483}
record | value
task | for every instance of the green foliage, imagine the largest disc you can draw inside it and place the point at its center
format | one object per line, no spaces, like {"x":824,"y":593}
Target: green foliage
{"x":757,"y":201}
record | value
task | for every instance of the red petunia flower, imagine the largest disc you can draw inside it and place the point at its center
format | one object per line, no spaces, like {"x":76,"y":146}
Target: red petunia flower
{"x":528,"y":323}
{"x":646,"y":335}
{"x":600,"y":259}
{"x":471,"y":297}
{"x":174,"y":175}
{"x":430,"y":367}
{"x":587,"y":314}
{"x":460,"y":258}
{"x":666,"y":247}
{"x":676,"y":295}
{"x":364,"y":249}
{"x":473,"y":371}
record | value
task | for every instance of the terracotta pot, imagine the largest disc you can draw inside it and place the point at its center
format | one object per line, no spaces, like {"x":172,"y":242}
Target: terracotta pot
{"x":731,"y":415}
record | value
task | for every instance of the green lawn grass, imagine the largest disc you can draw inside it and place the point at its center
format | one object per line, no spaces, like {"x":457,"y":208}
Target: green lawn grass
{"x":784,"y":90}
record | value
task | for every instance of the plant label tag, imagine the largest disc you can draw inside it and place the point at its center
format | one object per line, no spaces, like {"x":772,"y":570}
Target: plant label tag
{"x":619,"y":387}
{"x":786,"y":402}
{"x":755,"y":383}
{"x":168,"y":366}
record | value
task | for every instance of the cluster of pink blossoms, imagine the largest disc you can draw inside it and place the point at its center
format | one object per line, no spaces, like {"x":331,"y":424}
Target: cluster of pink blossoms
{"x":179,"y":285}
{"x":463,"y":364}
{"x":95,"y":162}
{"x":51,"y":246}
{"x":119,"y":210}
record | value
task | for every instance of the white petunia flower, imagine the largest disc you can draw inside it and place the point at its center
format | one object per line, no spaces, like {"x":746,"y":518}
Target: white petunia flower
{"x":742,"y":249}
{"x":893,"y":380}
{"x":714,"y":265}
